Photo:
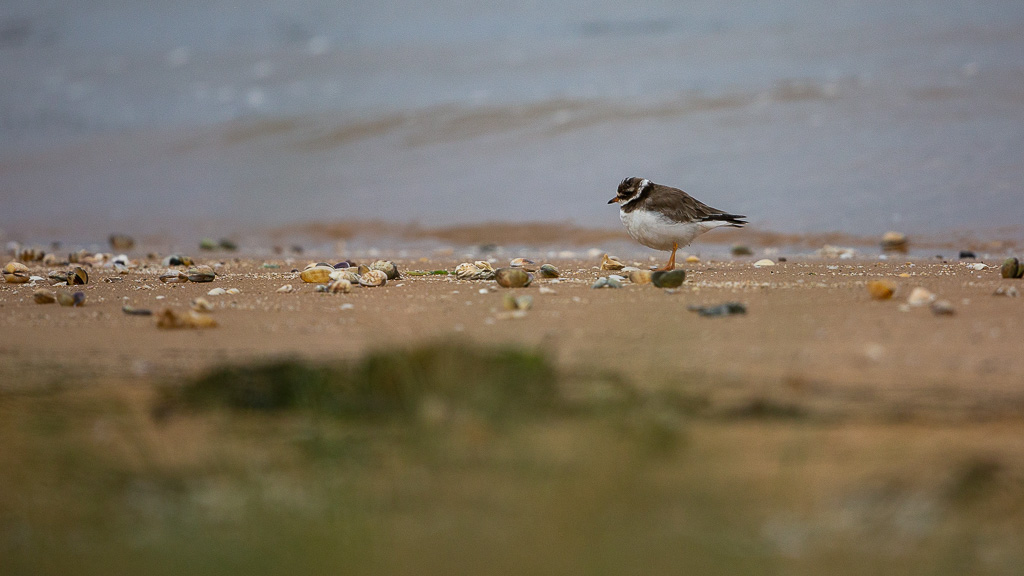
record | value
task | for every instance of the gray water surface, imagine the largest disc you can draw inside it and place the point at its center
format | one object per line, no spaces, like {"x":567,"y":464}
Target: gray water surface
{"x":852,"y":117}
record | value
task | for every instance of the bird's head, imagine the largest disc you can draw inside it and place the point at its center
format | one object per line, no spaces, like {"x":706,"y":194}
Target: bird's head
{"x":629,"y":189}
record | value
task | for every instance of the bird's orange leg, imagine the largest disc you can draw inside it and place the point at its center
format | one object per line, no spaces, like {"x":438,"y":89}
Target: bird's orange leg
{"x":671,"y":259}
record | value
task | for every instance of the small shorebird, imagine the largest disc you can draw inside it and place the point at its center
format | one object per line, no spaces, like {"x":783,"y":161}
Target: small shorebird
{"x":665,"y":218}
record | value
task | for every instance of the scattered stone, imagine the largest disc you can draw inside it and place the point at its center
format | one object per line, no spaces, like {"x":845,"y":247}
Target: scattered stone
{"x":65,"y":298}
{"x":285,"y":289}
{"x":30,"y":254}
{"x":979,"y":266}
{"x":172,"y":276}
{"x":549,"y":271}
{"x":177,"y":260}
{"x":317,"y":273}
{"x":1012,"y":268}
{"x":44,"y":296}
{"x":233,"y":291}
{"x":16,"y":273}
{"x":829,"y":251}
{"x":121,"y":242}
{"x":610,"y":263}
{"x":764,"y":262}
{"x":170,"y":319}
{"x":217,"y":292}
{"x":227,"y":244}
{"x":881,"y":289}
{"x":726,"y":309}
{"x":512,"y":277}
{"x":201,"y":305}
{"x":606,"y":282}
{"x":342,"y":286}
{"x":637,"y":276}
{"x":668,"y":278}
{"x":920,"y":297}
{"x":1010,"y":291}
{"x":512,"y":302}
{"x":389,"y":268}
{"x":202,"y":273}
{"x":895,"y":242}
{"x":546,"y":290}
{"x":942,"y":308}
{"x":207,"y":244}
{"x":133,"y":311}
{"x":967,"y":255}
{"x":741,"y":250}
{"x":692,"y":259}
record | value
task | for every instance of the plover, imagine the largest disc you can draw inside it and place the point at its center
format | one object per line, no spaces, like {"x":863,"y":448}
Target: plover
{"x":665,"y":218}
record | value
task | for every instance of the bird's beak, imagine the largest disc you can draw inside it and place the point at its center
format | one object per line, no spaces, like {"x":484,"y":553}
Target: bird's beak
{"x":613,"y":200}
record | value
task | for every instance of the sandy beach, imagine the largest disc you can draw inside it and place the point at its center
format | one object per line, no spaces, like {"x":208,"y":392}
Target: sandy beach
{"x":822,"y":428}
{"x":812,"y":335}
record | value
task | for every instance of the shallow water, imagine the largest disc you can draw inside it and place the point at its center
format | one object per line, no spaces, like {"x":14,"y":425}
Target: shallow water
{"x":210,"y":118}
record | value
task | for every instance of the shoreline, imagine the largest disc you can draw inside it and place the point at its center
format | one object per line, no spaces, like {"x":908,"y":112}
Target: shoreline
{"x":325,"y":236}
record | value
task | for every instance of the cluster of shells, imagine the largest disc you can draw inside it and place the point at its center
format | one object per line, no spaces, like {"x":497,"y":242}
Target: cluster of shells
{"x":341,"y":277}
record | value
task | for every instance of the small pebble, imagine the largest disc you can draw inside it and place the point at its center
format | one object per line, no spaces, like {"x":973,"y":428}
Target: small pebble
{"x":942,"y":308}
{"x":637,"y":276}
{"x":44,"y":296}
{"x":763,"y":262}
{"x":881,"y":289}
{"x":548,"y":271}
{"x":1010,"y":291}
{"x":668,"y":278}
{"x":920,"y":297}
{"x":726,"y":309}
{"x":895,"y":242}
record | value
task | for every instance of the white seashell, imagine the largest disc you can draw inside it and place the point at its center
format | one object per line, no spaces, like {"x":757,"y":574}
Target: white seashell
{"x":920,"y":297}
{"x":233,"y":291}
{"x":611,"y":263}
{"x":217,"y":292}
{"x":373,"y":278}
{"x":285,"y":289}
{"x":764,"y":262}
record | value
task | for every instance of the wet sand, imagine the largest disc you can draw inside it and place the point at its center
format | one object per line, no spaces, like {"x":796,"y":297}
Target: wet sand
{"x":812,"y":338}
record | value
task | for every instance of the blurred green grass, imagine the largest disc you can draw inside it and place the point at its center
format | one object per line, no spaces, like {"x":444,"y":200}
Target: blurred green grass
{"x":455,"y":458}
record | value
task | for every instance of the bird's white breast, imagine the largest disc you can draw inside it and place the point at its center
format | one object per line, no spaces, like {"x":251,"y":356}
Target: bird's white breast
{"x":659,"y":232}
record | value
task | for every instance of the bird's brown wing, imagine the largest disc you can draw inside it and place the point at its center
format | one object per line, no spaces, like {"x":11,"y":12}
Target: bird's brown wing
{"x":682,"y":207}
